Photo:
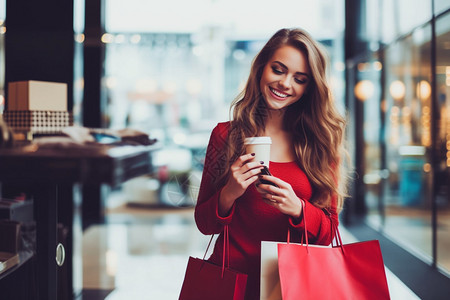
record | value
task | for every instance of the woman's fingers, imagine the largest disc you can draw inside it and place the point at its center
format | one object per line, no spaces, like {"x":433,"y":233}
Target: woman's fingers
{"x":244,"y":165}
{"x":276,"y":181}
{"x":243,"y":159}
{"x":244,"y":179}
{"x":253,"y":165}
{"x":249,"y":177}
{"x":282,"y":198}
{"x":270,"y":189}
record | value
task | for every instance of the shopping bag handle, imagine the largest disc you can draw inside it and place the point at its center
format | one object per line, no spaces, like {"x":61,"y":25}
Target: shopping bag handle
{"x":337,"y":236}
{"x":207,"y":247}
{"x":334,"y":228}
{"x":305,"y":235}
{"x":226,"y":248}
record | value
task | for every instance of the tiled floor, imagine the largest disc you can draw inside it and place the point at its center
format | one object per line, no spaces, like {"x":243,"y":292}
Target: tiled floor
{"x":142,"y":253}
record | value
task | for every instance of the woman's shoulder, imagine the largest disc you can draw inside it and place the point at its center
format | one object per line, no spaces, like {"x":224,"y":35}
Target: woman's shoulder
{"x":221,"y":130}
{"x":223,"y":125}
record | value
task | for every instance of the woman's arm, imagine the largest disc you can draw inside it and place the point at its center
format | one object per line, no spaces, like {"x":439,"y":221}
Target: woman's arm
{"x":206,"y":214}
{"x":320,"y":222}
{"x":215,"y":205}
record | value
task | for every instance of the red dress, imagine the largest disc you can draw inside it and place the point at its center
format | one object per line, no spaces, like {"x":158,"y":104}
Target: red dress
{"x":251,"y":220}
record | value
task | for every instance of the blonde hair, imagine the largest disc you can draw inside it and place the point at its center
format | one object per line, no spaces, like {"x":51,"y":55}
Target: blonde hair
{"x":316,"y":126}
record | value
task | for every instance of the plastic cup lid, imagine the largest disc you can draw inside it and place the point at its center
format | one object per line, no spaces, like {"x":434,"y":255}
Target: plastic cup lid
{"x":258,"y":140}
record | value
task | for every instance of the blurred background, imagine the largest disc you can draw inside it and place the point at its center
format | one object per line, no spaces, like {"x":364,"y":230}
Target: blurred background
{"x":171,"y":69}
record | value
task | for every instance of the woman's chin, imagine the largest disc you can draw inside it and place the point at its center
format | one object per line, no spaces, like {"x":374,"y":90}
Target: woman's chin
{"x":276,"y":105}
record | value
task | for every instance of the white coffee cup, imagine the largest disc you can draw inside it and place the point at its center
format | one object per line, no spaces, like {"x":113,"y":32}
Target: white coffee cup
{"x":260,"y":145}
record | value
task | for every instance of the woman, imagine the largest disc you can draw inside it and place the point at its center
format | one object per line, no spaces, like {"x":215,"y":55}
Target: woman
{"x":287,"y":98}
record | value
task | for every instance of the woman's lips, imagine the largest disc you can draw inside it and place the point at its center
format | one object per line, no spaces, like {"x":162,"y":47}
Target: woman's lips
{"x":278,"y":94}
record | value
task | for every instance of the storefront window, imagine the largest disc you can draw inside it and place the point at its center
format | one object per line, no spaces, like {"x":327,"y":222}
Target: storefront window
{"x":368,"y":92}
{"x":405,"y":177}
{"x":78,"y":84}
{"x":407,"y":95}
{"x":440,"y":6}
{"x":401,"y":16}
{"x":443,"y":178}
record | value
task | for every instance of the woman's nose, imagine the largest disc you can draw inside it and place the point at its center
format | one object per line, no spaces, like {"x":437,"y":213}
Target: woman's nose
{"x":285,"y":82}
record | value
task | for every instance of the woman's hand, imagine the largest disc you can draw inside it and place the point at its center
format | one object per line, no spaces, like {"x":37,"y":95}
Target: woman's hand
{"x":282,"y":196}
{"x":243,"y":172}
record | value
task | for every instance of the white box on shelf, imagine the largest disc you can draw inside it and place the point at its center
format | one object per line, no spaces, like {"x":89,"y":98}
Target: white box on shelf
{"x":37,"y":95}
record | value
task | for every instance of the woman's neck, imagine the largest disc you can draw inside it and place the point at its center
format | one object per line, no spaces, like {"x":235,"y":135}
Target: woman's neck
{"x":282,"y":150}
{"x":274,"y":122}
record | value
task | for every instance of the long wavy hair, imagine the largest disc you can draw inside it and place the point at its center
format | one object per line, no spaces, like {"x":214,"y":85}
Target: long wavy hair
{"x":316,"y":126}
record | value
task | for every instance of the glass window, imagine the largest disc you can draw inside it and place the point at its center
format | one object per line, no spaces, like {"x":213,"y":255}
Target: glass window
{"x":399,"y":17}
{"x":443,"y":97}
{"x":78,"y":84}
{"x":2,"y":9}
{"x":367,"y":91}
{"x":389,"y":27}
{"x":412,"y":13}
{"x":440,"y":6}
{"x":407,"y":193}
{"x":372,"y":20}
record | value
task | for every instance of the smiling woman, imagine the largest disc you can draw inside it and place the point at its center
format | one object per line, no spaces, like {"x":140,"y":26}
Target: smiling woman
{"x":288,"y":99}
{"x":285,"y":78}
{"x":172,"y":67}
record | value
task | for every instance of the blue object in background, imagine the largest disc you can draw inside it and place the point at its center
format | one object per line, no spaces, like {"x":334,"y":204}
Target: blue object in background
{"x":411,"y":180}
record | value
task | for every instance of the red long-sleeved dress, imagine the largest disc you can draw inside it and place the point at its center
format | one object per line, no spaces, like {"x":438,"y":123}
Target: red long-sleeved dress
{"x":251,"y":220}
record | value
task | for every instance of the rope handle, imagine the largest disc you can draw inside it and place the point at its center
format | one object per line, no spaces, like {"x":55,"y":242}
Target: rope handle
{"x":337,"y":237}
{"x":334,"y":228}
{"x":226,"y":248}
{"x":305,"y":235}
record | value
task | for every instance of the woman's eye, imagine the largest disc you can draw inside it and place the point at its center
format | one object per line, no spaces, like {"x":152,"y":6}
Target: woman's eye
{"x":277,"y":71}
{"x":300,"y":81}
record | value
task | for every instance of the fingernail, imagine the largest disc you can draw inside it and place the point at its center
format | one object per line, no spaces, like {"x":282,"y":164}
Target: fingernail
{"x":261,"y":162}
{"x":253,"y":154}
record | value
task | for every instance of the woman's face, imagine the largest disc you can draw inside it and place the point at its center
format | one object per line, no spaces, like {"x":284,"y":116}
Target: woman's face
{"x":285,"y":77}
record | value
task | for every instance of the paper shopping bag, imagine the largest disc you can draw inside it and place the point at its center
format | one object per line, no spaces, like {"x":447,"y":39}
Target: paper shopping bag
{"x":204,"y":281}
{"x":353,"y":271}
{"x":270,"y":288}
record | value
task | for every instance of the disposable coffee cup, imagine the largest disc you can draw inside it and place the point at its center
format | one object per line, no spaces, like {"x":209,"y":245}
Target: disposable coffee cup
{"x":260,"y":145}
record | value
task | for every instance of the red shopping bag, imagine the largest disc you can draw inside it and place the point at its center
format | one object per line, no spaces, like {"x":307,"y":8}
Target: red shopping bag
{"x":206,"y":281}
{"x":351,"y":271}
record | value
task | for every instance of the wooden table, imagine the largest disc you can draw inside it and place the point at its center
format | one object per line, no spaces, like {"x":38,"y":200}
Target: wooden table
{"x":41,"y":170}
